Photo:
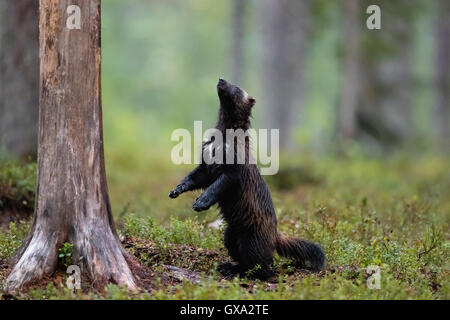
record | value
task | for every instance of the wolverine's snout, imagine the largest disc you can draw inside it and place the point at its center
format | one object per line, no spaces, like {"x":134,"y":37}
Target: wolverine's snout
{"x":222,"y":83}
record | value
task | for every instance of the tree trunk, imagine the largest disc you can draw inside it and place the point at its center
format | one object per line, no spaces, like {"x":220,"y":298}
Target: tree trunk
{"x":350,"y":89}
{"x":442,"y":84}
{"x":285,"y":29}
{"x":239,"y":7}
{"x":385,"y":113}
{"x":72,"y":202}
{"x":19,"y":77}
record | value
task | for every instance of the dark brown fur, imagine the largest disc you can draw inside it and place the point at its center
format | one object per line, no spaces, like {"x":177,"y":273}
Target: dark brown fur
{"x":251,"y":236}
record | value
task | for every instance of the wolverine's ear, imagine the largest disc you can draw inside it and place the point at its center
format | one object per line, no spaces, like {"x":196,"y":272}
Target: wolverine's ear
{"x":252,"y":101}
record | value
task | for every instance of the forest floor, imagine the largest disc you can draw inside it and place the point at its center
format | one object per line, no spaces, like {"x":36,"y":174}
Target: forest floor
{"x":393,"y":214}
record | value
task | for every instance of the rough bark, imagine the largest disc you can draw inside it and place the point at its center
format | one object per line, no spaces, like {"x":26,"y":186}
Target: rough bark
{"x":72,"y":202}
{"x":442,"y":78}
{"x":285,"y":29}
{"x":350,"y":89}
{"x":19,"y":77}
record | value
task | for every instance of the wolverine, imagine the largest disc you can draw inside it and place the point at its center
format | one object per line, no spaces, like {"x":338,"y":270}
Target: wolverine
{"x":251,"y":235}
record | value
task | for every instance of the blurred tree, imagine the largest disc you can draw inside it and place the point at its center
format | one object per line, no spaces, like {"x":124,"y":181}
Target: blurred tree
{"x":72,"y":202}
{"x":351,"y":69}
{"x":285,"y":26}
{"x":385,"y":108}
{"x":442,"y":81}
{"x":19,"y":77}
{"x":237,"y":65}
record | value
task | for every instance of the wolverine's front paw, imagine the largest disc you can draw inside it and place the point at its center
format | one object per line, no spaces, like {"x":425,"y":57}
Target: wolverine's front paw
{"x":174,"y":193}
{"x":201,"y":205}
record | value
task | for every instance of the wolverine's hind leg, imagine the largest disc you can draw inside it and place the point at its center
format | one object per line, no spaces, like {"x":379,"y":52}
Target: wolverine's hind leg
{"x":254,"y":259}
{"x":228,"y":269}
{"x":261,"y":271}
{"x":257,"y":267}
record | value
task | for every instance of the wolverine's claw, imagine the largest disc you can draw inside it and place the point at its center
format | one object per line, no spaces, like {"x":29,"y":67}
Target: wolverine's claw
{"x":199,"y":205}
{"x":174,"y":194}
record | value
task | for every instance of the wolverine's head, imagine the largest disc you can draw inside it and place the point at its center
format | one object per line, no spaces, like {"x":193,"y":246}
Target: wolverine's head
{"x":236,"y":104}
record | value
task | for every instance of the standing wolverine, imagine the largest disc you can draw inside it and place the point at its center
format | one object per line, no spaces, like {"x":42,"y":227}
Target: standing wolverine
{"x":251,"y":236}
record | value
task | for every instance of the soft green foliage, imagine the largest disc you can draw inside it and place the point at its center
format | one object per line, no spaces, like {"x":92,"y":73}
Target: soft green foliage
{"x":161,"y":61}
{"x":187,"y":232}
{"x":392,"y":213}
{"x":179,"y":49}
{"x":17,"y":184}
{"x":10,"y":241}
{"x":65,"y":253}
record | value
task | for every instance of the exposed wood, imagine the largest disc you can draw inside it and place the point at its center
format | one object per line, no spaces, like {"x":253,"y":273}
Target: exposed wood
{"x":72,"y":202}
{"x":184,"y":274}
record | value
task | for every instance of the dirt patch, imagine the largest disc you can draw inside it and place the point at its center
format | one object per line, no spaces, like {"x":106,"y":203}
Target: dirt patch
{"x":196,"y":259}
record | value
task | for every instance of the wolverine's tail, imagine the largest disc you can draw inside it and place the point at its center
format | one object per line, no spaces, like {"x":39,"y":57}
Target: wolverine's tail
{"x":306,"y":254}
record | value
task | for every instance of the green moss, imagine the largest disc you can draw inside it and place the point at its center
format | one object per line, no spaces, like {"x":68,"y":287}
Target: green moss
{"x":187,"y":232}
{"x":388,"y":213}
{"x":17,"y":184}
{"x":10,"y":241}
